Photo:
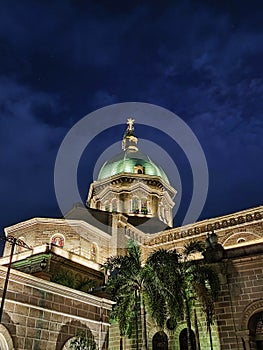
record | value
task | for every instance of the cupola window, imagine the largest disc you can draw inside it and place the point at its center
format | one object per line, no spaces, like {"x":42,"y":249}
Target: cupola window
{"x":138,"y":169}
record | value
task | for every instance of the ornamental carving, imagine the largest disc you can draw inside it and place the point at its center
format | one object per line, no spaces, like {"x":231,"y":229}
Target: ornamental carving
{"x":249,"y":217}
{"x":249,"y":311}
{"x":241,"y":219}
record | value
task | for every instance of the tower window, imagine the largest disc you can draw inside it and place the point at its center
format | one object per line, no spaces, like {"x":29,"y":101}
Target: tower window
{"x":107,"y":206}
{"x":144,"y":208}
{"x":114,"y":205}
{"x":135,"y":205}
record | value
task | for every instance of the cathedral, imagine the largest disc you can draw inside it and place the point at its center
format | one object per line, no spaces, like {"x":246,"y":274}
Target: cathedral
{"x":51,"y":272}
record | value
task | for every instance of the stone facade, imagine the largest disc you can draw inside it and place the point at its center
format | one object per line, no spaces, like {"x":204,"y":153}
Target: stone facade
{"x":78,"y":236}
{"x":241,"y":298}
{"x":239,"y":309}
{"x":40,"y":314}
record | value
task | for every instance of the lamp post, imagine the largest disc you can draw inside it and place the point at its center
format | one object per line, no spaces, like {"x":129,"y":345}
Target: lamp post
{"x":13,"y":241}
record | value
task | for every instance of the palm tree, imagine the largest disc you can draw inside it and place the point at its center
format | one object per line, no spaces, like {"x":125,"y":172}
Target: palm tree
{"x":184,"y":281}
{"x":83,"y":342}
{"x":133,"y":287}
{"x":69,"y":279}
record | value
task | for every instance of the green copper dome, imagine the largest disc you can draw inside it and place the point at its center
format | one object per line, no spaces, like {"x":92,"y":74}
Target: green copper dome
{"x":131,"y":163}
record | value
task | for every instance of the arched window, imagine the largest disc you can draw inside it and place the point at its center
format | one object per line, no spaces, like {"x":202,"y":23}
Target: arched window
{"x":183,"y":340}
{"x":83,"y":340}
{"x":241,"y":240}
{"x":58,"y":240}
{"x":114,"y":206}
{"x":135,"y":205}
{"x":106,"y":206}
{"x":144,"y":208}
{"x":160,"y":341}
{"x":255,"y":326}
{"x":138,"y":169}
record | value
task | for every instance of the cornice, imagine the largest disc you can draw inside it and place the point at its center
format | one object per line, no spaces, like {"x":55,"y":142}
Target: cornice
{"x":243,"y":251}
{"x":133,"y":188}
{"x":129,"y":178}
{"x":239,"y":219}
{"x":57,"y":251}
{"x":59,"y":222}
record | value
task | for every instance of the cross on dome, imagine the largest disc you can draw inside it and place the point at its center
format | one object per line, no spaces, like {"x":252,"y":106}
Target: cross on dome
{"x":129,"y":141}
{"x":130,"y":123}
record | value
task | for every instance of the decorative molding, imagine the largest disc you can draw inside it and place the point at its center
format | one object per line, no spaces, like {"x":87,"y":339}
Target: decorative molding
{"x":58,"y":222}
{"x":249,"y":311}
{"x":239,"y":219}
{"x":233,"y":234}
{"x":60,"y":252}
{"x":133,"y":233}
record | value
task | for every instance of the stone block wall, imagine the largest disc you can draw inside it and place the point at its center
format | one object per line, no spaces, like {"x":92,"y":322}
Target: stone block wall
{"x":41,"y":315}
{"x":78,"y":236}
{"x":240,"y":298}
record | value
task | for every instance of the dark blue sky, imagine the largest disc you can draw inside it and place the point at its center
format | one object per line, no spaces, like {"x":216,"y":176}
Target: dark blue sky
{"x":61,"y":60}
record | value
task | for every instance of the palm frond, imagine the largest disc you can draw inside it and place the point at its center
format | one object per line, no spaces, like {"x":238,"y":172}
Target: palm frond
{"x":193,"y":247}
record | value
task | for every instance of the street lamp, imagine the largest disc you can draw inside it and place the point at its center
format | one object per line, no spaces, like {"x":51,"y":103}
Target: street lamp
{"x":13,"y":241}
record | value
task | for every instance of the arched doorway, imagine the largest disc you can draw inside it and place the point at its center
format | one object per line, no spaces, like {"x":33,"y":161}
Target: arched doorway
{"x":183,"y":340}
{"x":255,"y":326}
{"x":160,"y":341}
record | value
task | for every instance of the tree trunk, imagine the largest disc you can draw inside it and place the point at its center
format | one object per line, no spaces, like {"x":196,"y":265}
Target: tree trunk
{"x":210,"y":334}
{"x":196,"y":331}
{"x":188,"y":325}
{"x":143,"y":322}
{"x":121,"y":343}
{"x":136,"y":319}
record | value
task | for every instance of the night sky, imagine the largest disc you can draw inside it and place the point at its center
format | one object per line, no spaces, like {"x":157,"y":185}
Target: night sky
{"x":61,"y":60}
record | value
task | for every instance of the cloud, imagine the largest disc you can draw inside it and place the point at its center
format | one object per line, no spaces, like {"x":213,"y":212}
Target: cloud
{"x":60,"y":61}
{"x":28,"y":150}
